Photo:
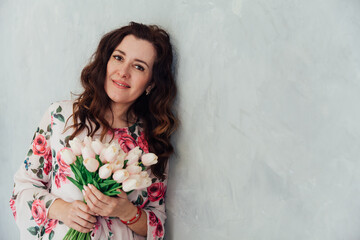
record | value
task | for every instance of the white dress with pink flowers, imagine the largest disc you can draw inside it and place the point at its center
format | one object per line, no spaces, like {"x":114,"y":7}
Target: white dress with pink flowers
{"x":42,"y":178}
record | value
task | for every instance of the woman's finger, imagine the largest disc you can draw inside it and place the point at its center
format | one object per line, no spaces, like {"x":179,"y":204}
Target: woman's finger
{"x":99,"y":195}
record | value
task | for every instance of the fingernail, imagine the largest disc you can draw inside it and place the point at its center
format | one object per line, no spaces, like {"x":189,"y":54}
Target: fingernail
{"x":83,"y":192}
{"x":90,"y":186}
{"x":85,"y":187}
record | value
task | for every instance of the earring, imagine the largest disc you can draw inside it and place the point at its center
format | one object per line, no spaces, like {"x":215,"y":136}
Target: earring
{"x":148,"y":90}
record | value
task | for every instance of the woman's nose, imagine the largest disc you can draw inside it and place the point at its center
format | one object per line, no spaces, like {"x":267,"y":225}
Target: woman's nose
{"x":124,"y":70}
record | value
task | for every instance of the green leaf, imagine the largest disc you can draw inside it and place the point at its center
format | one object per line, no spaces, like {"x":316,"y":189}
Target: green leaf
{"x":42,"y":231}
{"x":42,"y":197}
{"x":96,"y":184}
{"x":62,"y":143}
{"x":144,"y":193}
{"x":161,"y":201}
{"x":53,"y":153}
{"x":48,"y":127}
{"x":58,"y":109}
{"x":125,"y":162}
{"x":30,"y":152}
{"x":59,"y":117}
{"x":30,"y":204}
{"x":107,"y":183}
{"x":41,"y":131}
{"x":78,"y":174}
{"x":34,"y":170}
{"x":47,"y":205}
{"x":41,"y":160}
{"x":33,"y":230}
{"x":76,"y":183}
{"x":47,"y":137}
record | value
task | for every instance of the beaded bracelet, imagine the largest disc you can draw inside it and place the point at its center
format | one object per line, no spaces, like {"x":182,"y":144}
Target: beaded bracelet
{"x":134,"y":219}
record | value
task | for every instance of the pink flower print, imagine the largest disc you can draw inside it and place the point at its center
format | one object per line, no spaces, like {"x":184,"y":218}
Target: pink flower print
{"x":50,"y":225}
{"x":143,"y":144}
{"x":38,"y":211}
{"x":127,"y":142}
{"x":39,"y":145}
{"x":52,"y":121}
{"x":13,"y":209}
{"x":48,"y":162}
{"x":153,"y":220}
{"x":62,"y":164}
{"x":159,"y":231}
{"x":156,"y":191}
{"x":57,"y":181}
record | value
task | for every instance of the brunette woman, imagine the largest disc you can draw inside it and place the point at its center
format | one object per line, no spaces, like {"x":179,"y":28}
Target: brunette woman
{"x":128,"y":96}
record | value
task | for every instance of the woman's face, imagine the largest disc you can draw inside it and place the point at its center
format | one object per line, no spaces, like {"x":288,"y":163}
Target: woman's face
{"x":129,"y":70}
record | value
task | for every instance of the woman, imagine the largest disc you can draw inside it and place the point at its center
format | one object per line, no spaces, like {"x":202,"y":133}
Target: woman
{"x":129,"y":92}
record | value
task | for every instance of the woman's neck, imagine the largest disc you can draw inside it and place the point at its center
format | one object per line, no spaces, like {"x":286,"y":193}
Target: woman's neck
{"x":120,"y":116}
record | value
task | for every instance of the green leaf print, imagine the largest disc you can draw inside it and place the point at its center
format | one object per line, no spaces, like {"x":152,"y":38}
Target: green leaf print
{"x":42,"y":197}
{"x":161,"y":201}
{"x":59,"y":109}
{"x":30,"y":152}
{"x":144,"y":193}
{"x":34,"y":170}
{"x":41,"y":131}
{"x":39,"y":174}
{"x":49,"y":128}
{"x":41,"y":160}
{"x":33,"y":230}
{"x":132,"y":128}
{"x":51,"y":235}
{"x":47,"y":205}
{"x":30,"y":204}
{"x":59,"y":117}
{"x":42,"y":232}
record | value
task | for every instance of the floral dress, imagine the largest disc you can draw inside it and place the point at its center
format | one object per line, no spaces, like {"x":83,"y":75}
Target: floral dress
{"x":42,"y":178}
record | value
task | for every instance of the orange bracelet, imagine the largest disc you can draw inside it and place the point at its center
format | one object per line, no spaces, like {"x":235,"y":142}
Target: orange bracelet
{"x":134,"y":219}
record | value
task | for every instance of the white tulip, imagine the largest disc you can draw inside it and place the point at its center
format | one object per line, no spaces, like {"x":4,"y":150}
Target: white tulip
{"x":68,"y":156}
{"x":76,"y":146}
{"x":134,"y":155}
{"x":129,"y":184}
{"x":120,"y":175}
{"x":133,"y":169}
{"x":145,"y":182}
{"x":110,"y":153}
{"x":117,"y":164}
{"x":97,"y":146}
{"x":91,"y":164}
{"x":87,"y":152}
{"x":149,"y":159}
{"x":105,"y":171}
{"x":87,"y":141}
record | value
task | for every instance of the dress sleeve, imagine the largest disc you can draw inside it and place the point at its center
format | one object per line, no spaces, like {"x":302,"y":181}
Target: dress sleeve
{"x":31,"y":196}
{"x":155,"y":208}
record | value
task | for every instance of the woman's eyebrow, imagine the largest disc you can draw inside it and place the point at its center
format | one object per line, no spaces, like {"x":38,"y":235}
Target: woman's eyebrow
{"x":139,"y":60}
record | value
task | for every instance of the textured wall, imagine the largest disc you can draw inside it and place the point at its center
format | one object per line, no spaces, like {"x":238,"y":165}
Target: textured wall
{"x":269,"y":142}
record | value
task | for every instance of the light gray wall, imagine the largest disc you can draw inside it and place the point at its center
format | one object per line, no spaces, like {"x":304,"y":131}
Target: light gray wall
{"x":268,"y":99}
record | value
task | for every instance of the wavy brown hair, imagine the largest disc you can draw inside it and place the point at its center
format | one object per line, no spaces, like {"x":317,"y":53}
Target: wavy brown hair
{"x":154,"y":110}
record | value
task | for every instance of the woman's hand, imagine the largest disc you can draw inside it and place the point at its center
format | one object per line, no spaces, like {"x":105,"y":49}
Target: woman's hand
{"x":107,"y":206}
{"x":76,"y":215}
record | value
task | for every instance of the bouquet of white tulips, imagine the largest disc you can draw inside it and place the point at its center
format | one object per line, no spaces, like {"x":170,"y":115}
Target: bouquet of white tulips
{"x":107,"y":167}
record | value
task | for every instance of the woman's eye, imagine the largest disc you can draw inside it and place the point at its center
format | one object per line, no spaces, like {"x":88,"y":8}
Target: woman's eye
{"x":139,"y":67}
{"x":117,"y":57}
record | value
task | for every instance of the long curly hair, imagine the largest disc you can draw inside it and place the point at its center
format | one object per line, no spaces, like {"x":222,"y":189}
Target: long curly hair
{"x":154,"y":110}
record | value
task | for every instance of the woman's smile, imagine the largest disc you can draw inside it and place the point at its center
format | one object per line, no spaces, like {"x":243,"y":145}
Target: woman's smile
{"x":121,"y":84}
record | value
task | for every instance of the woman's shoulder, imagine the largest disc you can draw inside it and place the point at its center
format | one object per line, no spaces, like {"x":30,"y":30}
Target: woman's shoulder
{"x":61,"y":106}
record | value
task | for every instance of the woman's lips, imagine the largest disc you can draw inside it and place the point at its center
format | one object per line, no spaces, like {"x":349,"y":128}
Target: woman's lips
{"x":121,"y":84}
